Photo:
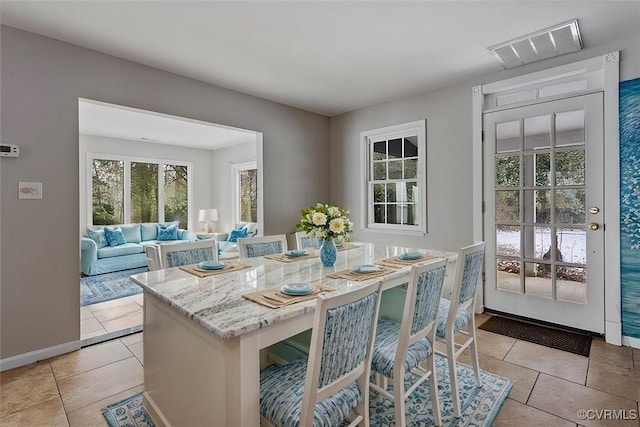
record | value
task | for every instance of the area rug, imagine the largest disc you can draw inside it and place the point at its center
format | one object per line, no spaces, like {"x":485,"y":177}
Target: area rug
{"x":108,"y":286}
{"x":561,"y":339}
{"x":480,"y":405}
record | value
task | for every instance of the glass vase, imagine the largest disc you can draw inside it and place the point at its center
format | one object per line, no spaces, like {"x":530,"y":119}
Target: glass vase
{"x":328,"y":253}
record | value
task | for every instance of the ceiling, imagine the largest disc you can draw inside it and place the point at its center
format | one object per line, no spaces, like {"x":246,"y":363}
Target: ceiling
{"x":327,"y":57}
{"x":114,"y":121}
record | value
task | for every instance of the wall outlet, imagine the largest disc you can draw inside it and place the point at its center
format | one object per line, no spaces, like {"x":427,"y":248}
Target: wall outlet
{"x":29,"y":190}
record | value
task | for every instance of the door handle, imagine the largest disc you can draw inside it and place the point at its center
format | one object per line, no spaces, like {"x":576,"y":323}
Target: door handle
{"x":594,"y":210}
{"x":594,"y":225}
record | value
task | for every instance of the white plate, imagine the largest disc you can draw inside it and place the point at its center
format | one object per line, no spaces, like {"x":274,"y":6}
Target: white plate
{"x":211,"y":265}
{"x":410,"y":255}
{"x":297,"y":289}
{"x":367,"y":268}
{"x":296,"y":252}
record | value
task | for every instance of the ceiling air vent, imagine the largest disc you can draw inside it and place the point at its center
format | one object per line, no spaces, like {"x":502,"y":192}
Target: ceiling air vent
{"x":553,"y":41}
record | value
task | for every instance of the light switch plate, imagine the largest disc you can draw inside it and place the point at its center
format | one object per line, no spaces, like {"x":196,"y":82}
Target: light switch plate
{"x":29,"y":190}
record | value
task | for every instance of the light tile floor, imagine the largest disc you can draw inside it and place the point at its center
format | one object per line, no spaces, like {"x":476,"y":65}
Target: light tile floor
{"x":551,"y":386}
{"x":107,"y":318}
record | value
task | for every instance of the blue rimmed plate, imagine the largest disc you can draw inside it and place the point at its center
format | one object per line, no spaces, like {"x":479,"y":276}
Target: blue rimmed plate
{"x":410,"y":256}
{"x":367,"y":268}
{"x":211,"y":265}
{"x":297,"y":289}
{"x":296,"y":252}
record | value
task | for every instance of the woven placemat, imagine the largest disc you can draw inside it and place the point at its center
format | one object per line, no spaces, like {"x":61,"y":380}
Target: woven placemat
{"x":360,"y":277}
{"x":347,"y":246}
{"x":284,"y":258}
{"x":396,"y":262}
{"x":229,"y":266}
{"x":278,"y":299}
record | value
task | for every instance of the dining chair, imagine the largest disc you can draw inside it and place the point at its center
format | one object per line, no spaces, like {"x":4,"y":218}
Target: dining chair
{"x":261,"y":246}
{"x":177,"y":254}
{"x":400,"y":348}
{"x":153,"y":257}
{"x":457,"y":315}
{"x":332,"y":384}
{"x":303,"y":240}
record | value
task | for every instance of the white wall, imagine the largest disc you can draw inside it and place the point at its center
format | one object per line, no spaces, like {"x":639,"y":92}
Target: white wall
{"x":223,"y":181}
{"x":42,"y":80}
{"x":202,"y":170}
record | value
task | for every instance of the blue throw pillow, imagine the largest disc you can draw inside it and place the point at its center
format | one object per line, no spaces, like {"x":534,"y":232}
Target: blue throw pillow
{"x":98,"y":236}
{"x":114,"y":236}
{"x":236,"y":234}
{"x":167,"y":232}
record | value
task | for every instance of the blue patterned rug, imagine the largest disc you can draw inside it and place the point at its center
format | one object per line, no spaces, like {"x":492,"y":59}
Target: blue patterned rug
{"x":480,"y":405}
{"x":108,"y":286}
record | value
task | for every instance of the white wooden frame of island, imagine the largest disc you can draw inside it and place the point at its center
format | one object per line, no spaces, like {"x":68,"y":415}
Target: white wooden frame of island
{"x":193,"y":377}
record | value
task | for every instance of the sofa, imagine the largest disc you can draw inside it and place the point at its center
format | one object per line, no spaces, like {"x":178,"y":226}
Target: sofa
{"x":227,"y":243}
{"x":125,"y":250}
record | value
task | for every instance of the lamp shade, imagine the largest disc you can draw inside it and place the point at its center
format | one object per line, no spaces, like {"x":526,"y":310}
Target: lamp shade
{"x":208,"y":215}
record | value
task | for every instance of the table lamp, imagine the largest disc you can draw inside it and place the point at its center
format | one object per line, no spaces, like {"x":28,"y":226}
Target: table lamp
{"x":206,"y":216}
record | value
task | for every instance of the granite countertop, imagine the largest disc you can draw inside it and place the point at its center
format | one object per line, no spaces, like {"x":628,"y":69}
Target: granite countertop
{"x":216,"y":302}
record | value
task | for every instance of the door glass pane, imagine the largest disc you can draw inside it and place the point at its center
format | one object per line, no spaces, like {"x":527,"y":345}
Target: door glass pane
{"x":144,"y":192}
{"x":175,"y":194}
{"x":508,"y":137}
{"x":507,"y":171}
{"x":537,"y":169}
{"x":507,"y":240}
{"x":107,"y":183}
{"x":537,"y":243}
{"x":570,"y":207}
{"x":570,"y":128}
{"x":508,"y":274}
{"x":508,"y":206}
{"x":572,"y":243}
{"x":537,"y":206}
{"x":537,"y":132}
{"x":537,"y":280}
{"x":570,"y":167}
{"x":571,"y":284}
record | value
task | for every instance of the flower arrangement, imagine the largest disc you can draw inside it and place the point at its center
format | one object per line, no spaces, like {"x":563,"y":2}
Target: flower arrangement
{"x":326,"y":222}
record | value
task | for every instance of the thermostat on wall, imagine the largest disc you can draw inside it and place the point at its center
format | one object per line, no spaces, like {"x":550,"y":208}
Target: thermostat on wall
{"x":9,"y":150}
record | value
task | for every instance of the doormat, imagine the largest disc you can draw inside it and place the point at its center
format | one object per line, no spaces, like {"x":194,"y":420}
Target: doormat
{"x":561,"y":339}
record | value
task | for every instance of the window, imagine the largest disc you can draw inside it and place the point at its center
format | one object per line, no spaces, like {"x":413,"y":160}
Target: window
{"x":394,"y":183}
{"x":245,"y":201}
{"x":127,"y":190}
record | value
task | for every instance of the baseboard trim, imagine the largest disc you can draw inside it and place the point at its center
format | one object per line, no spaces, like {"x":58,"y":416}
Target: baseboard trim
{"x":631,"y":342}
{"x":36,"y":355}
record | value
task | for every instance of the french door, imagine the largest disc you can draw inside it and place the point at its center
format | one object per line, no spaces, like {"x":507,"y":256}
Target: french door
{"x":543,"y":190}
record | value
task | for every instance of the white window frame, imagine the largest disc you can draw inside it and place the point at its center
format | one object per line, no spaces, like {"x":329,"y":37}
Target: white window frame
{"x":418,"y":128}
{"x":127,"y":183}
{"x":235,"y":194}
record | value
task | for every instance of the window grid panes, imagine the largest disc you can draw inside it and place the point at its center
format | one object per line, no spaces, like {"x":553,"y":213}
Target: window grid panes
{"x":394,"y":182}
{"x":134,"y":191}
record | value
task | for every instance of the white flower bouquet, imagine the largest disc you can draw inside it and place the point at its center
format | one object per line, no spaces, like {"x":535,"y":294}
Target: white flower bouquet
{"x":326,"y":222}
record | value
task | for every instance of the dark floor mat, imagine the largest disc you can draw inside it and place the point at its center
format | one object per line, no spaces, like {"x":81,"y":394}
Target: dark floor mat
{"x":573,"y":342}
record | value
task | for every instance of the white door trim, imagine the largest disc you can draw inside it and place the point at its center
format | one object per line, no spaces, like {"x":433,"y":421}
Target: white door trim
{"x":606,"y":69}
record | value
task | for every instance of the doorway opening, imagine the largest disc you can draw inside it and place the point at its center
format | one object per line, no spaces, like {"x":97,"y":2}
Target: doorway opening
{"x":140,"y":169}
